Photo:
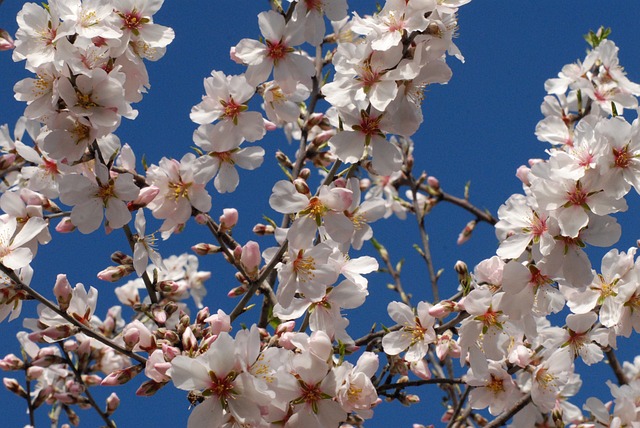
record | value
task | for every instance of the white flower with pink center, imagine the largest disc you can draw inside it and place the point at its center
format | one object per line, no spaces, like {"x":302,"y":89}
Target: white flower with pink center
{"x":277,"y":53}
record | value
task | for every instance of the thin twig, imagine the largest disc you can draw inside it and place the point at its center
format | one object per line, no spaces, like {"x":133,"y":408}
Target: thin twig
{"x":83,"y":328}
{"x":88,"y":395}
{"x":400,"y":385}
{"x":616,"y":367}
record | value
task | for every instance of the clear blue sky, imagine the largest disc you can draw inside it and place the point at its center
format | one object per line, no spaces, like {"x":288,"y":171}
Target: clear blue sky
{"x":478,"y":128}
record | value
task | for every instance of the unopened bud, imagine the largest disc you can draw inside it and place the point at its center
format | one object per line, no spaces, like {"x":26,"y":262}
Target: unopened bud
{"x":6,"y":41}
{"x":48,"y":360}
{"x":251,"y":258}
{"x":63,"y":291}
{"x":131,"y":338}
{"x":523,"y":175}
{"x":13,"y":386}
{"x":228,"y":219}
{"x":204,"y":249}
{"x":465,"y":235}
{"x":285,"y":327}
{"x":7,"y":160}
{"x":149,"y":388}
{"x":315,"y":119}
{"x":304,"y":174}
{"x":120,"y":377}
{"x":11,"y":362}
{"x":219,"y":322}
{"x":189,"y":341}
{"x":202,"y":315}
{"x":263,"y":229}
{"x":442,"y":308}
{"x":91,"y":379}
{"x":146,"y":195}
{"x":201,"y":218}
{"x":433,"y":182}
{"x":65,"y":226}
{"x":34,"y":372}
{"x":284,"y":160}
{"x":301,"y":186}
{"x":237,"y":291}
{"x":113,"y":401}
{"x":159,"y":315}
{"x":323,"y":137}
{"x":121,"y":258}
{"x":269,"y":126}
{"x":115,"y":273}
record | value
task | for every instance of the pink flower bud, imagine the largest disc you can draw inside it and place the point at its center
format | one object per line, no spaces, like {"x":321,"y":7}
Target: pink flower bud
{"x":63,"y":291}
{"x":120,"y":377}
{"x":465,"y":235}
{"x":13,"y":386}
{"x":301,"y":186}
{"x":315,"y":119}
{"x":285,"y":327}
{"x":433,"y":182}
{"x":189,"y":341}
{"x":170,"y":352}
{"x":523,"y":175}
{"x":11,"y":362}
{"x":149,"y":388}
{"x":219,"y":322}
{"x":115,"y":273}
{"x":263,"y":229}
{"x":251,"y":258}
{"x":6,"y":41}
{"x":233,"y":56}
{"x":131,"y":338}
{"x":159,"y":315}
{"x":34,"y":372}
{"x":323,"y":137}
{"x":442,"y":308}
{"x":202,"y":315}
{"x":90,"y":380}
{"x":269,"y":126}
{"x":237,"y":291}
{"x":201,"y":218}
{"x":65,"y":226}
{"x":146,"y":195}
{"x":113,"y":401}
{"x":237,"y":252}
{"x":228,"y":219}
{"x":204,"y":249}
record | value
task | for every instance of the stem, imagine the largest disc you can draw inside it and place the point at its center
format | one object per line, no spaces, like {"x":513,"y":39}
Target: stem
{"x":616,"y":367}
{"x":86,"y":330}
{"x":401,"y":385}
{"x":458,"y":408}
{"x":78,"y":375}
{"x":30,"y":409}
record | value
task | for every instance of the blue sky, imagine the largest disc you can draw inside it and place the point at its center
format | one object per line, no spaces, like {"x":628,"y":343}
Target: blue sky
{"x":478,"y":128}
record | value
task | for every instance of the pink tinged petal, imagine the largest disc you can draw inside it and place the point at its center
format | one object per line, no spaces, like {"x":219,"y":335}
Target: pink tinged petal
{"x":251,"y":52}
{"x":387,"y":157}
{"x":249,"y":158}
{"x":87,"y":216}
{"x":401,"y":313}
{"x":348,"y":146}
{"x":272,"y":25}
{"x":302,"y":232}
{"x":395,"y":342}
{"x":285,"y":198}
{"x":348,"y":295}
{"x":140,"y":258}
{"x":208,"y":414}
{"x":513,"y":246}
{"x":251,"y":126}
{"x":117,"y":213}
{"x":17,"y":258}
{"x":156,"y":36}
{"x":227,"y":179}
{"x":572,"y":219}
{"x":515,"y":277}
{"x":339,"y":227}
{"x":189,"y":373}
